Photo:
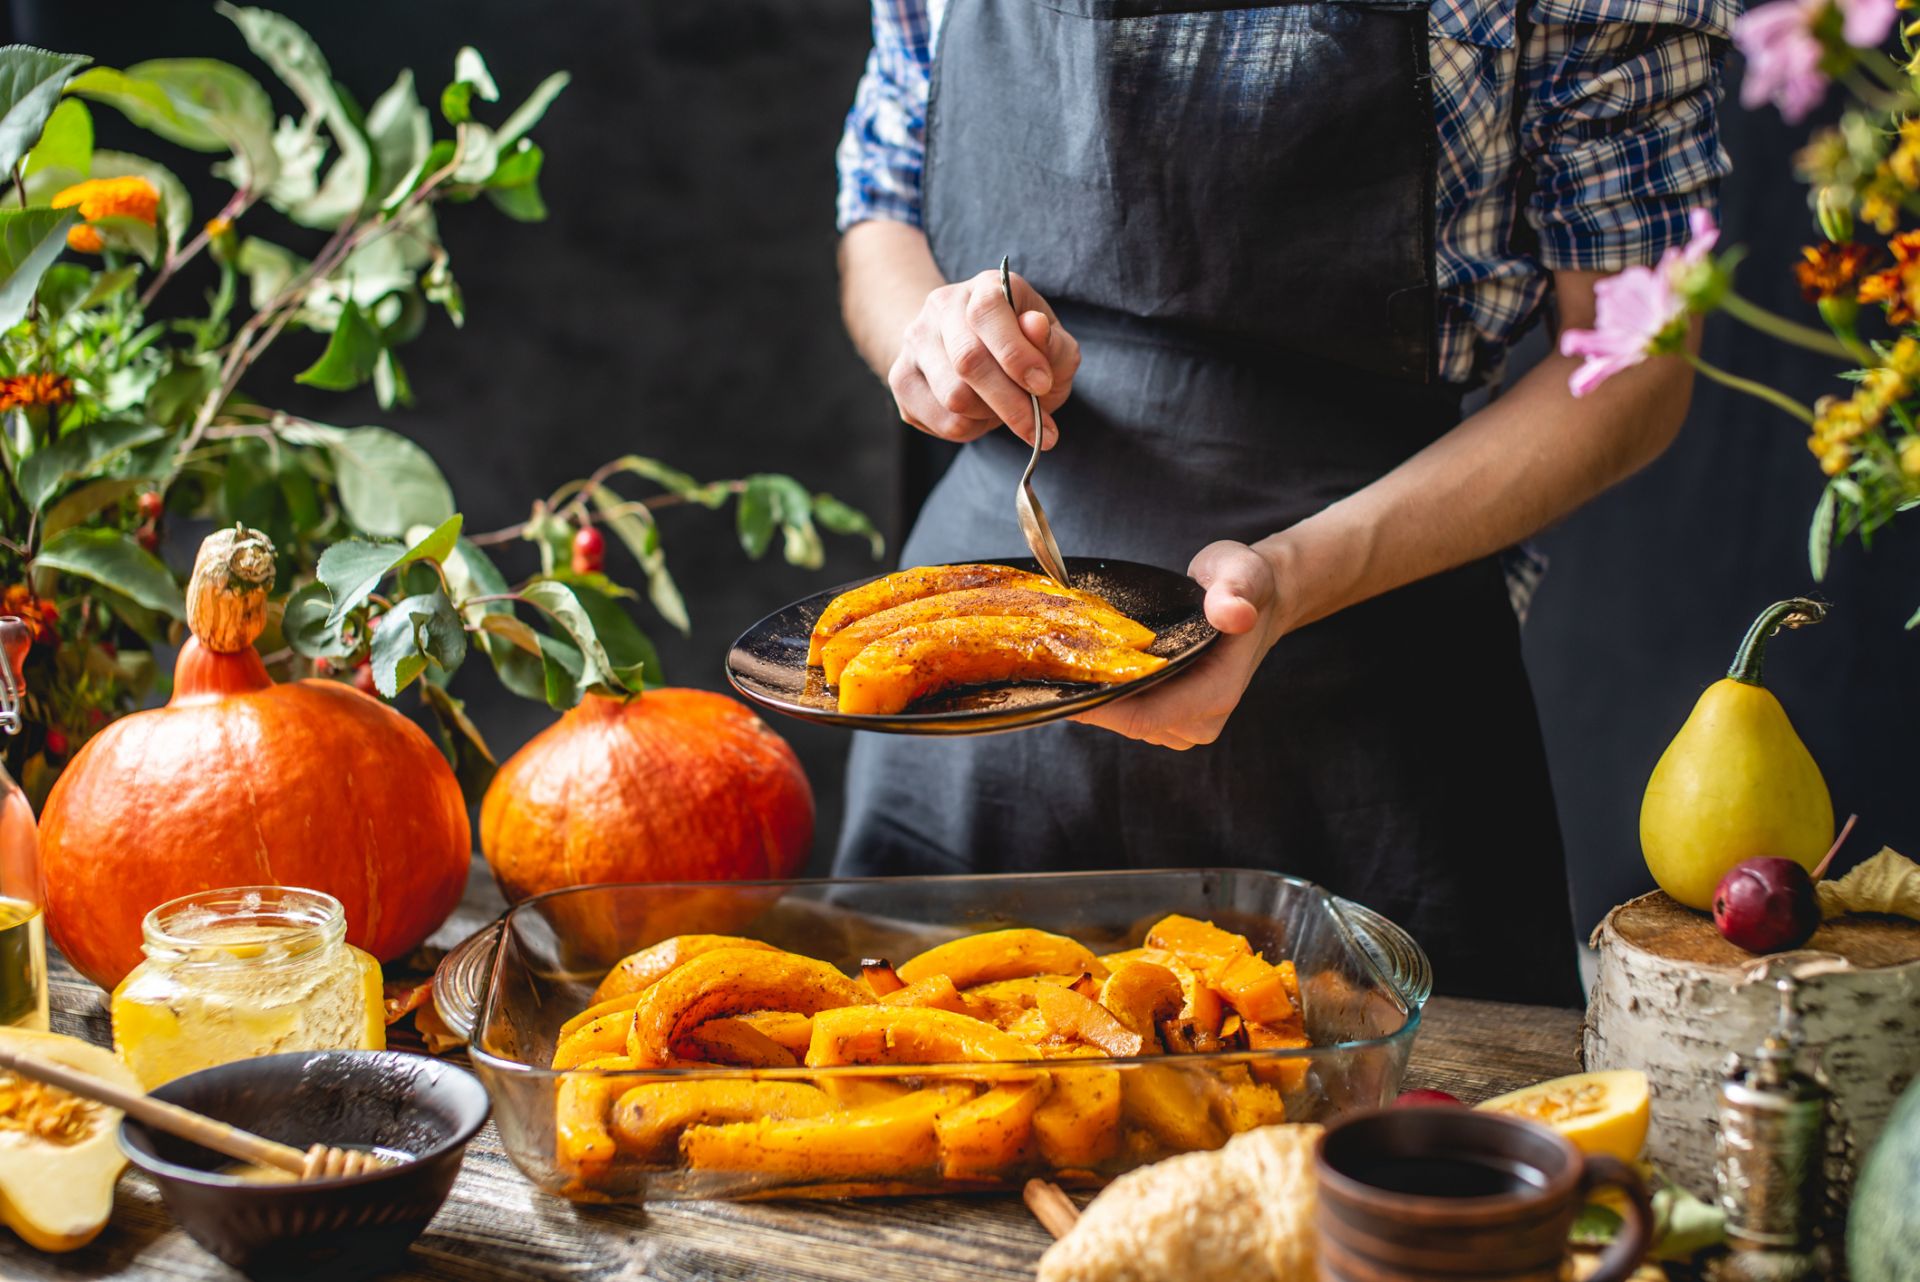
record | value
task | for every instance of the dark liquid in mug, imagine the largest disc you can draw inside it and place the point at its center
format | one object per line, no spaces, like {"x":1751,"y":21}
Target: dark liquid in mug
{"x":1487,"y":1176}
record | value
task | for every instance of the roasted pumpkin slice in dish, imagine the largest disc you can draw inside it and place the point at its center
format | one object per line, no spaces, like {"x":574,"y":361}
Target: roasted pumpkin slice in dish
{"x":1098,"y":621}
{"x":731,"y":981}
{"x":924,"y":581}
{"x":929,"y":657}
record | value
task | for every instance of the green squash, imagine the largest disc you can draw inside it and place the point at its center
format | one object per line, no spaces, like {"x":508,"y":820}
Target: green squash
{"x":1883,"y":1228}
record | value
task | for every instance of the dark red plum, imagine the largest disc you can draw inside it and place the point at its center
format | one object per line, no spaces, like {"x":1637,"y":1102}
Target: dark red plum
{"x":1766,"y":905}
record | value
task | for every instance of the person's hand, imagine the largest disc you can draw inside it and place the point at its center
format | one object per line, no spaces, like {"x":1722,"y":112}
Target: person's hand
{"x":967,"y":362}
{"x":1192,"y":708}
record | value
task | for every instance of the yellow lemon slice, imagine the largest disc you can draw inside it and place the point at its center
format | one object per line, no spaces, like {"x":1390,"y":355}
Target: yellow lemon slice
{"x":1602,"y":1112}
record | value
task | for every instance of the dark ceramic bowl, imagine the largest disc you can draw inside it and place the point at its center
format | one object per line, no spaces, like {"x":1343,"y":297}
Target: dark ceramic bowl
{"x":409,"y":1104}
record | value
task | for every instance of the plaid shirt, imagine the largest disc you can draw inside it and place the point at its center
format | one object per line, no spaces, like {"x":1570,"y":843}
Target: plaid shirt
{"x":1619,"y":127}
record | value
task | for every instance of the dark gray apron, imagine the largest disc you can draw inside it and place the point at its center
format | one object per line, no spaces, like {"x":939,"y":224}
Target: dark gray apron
{"x":1230,"y":206}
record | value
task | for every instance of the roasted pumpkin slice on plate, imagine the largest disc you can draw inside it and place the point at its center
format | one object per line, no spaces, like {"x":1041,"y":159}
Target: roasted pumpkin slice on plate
{"x":930,"y":657}
{"x":1108,"y":625}
{"x":732,"y":981}
{"x":923,"y":581}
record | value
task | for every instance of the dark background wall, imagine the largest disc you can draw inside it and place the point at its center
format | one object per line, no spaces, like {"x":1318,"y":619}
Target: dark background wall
{"x":681,"y":303}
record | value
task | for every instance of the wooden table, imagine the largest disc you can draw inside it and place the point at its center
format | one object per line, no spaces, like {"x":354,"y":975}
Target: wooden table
{"x":496,"y":1226}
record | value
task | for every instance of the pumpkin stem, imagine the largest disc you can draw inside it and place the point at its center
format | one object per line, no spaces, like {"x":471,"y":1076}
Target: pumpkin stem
{"x":227,"y":595}
{"x":1795,"y":612}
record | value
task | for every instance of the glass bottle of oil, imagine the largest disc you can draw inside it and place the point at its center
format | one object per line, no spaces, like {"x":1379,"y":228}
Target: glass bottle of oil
{"x":23,"y":930}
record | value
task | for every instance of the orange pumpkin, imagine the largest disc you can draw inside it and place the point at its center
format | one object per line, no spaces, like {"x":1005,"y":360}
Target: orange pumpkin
{"x":238,"y":782}
{"x":674,"y":785}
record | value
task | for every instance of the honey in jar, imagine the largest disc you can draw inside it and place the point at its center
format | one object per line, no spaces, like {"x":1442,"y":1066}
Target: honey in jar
{"x":232,"y":974}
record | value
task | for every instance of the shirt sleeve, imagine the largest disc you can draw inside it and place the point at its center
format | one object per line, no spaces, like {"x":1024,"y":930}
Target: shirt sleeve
{"x":883,"y":148}
{"x":1621,"y":125}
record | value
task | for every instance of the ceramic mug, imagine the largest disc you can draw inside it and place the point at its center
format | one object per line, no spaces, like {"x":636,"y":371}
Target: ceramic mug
{"x":1423,"y":1194}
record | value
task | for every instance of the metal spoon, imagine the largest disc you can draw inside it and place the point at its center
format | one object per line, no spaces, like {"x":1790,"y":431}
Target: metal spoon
{"x":1026,"y":504}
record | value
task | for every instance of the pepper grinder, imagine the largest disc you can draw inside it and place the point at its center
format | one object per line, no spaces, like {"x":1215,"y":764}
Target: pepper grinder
{"x":1770,"y":1155}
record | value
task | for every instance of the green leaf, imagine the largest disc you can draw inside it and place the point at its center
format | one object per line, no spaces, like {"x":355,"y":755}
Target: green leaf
{"x":387,"y":483}
{"x":401,"y":133}
{"x":78,"y":454}
{"x":1820,"y":534}
{"x":176,"y":207}
{"x":842,"y":518}
{"x":415,"y":632}
{"x":129,"y":235}
{"x":268,"y":267}
{"x":200,"y":103}
{"x":440,"y":287}
{"x":674,"y":481}
{"x":107,"y":286}
{"x":391,"y":386}
{"x":113,"y":560}
{"x":560,"y":669}
{"x":470,"y":67}
{"x":521,"y":203}
{"x":299,"y":150}
{"x":528,"y":113}
{"x":456,"y":102}
{"x":351,"y":570}
{"x":62,"y":288}
{"x":770,"y":499}
{"x":30,"y":239}
{"x":81,"y":503}
{"x":461,"y":740}
{"x":66,"y":144}
{"x":177,"y":395}
{"x":757,"y":515}
{"x":563,"y":606}
{"x":511,"y":630}
{"x":308,"y":626}
{"x":351,"y":353}
{"x":30,"y":84}
{"x":631,"y":653}
{"x":633,"y":525}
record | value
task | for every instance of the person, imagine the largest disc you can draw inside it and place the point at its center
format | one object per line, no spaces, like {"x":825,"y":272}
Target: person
{"x":1263,"y":252}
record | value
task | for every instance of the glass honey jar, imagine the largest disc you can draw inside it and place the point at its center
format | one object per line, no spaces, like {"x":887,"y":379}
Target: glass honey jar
{"x":232,"y":974}
{"x":23,"y":927}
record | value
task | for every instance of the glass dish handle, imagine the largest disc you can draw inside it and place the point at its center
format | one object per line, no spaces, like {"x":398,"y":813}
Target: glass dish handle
{"x":1399,"y":960}
{"x":460,"y":981}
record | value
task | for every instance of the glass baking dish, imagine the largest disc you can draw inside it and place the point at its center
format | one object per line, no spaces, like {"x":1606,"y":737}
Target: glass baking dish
{"x":510,"y":987}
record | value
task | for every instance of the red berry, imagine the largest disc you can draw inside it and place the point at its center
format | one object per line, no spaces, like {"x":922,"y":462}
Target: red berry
{"x":151,"y":505}
{"x":363,"y":680}
{"x":56,"y":742}
{"x":148,"y":537}
{"x":589,"y":550}
{"x":1766,"y":905}
{"x":1427,"y":1099}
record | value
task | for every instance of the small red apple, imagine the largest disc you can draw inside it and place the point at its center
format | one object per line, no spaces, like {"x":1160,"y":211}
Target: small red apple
{"x":1428,"y":1099}
{"x":589,"y":550}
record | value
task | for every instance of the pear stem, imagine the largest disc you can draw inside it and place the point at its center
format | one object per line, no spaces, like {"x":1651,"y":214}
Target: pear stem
{"x":1820,"y":869}
{"x":1795,"y":612}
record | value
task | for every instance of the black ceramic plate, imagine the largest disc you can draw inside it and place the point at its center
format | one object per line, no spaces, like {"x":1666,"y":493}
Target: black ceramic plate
{"x":768,"y":664}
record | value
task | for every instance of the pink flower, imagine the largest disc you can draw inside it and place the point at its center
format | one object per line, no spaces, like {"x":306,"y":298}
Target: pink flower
{"x":1635,"y":311}
{"x":1783,"y":54}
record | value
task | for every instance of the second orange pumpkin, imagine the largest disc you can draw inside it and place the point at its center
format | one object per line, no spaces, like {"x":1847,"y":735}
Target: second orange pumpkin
{"x":675,"y":785}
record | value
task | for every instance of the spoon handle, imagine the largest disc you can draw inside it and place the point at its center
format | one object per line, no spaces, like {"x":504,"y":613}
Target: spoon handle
{"x":171,"y":1118}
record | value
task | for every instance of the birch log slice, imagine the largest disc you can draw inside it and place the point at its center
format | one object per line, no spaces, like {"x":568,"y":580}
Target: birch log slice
{"x":1673,"y":999}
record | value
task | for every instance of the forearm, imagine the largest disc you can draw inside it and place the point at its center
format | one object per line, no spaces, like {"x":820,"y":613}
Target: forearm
{"x":1503,"y":474}
{"x":886,"y":273}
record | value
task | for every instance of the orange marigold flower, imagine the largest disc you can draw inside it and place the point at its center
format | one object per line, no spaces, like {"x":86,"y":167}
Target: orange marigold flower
{"x":22,"y":391}
{"x":37,"y":612}
{"x":1828,"y":270}
{"x":1898,"y":287}
{"x":100,"y":198}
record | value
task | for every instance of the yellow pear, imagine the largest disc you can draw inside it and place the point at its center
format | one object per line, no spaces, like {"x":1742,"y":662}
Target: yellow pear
{"x":1736,"y":782}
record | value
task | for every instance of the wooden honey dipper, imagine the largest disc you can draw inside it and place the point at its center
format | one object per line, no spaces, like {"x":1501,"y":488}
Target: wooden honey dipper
{"x":321,"y":1161}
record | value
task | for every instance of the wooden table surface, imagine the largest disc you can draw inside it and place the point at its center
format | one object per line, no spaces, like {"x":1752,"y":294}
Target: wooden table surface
{"x":497,"y":1227}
